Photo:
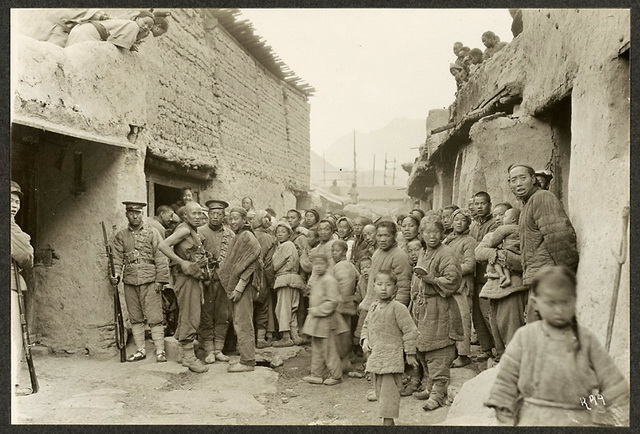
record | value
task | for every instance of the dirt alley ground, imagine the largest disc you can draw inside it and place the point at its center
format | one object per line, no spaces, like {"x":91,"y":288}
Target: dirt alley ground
{"x":79,"y":389}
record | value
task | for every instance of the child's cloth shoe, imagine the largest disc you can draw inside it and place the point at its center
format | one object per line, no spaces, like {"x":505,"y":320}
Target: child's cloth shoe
{"x":371,"y":395}
{"x":422,"y":395}
{"x":161,"y":357}
{"x":430,"y":405}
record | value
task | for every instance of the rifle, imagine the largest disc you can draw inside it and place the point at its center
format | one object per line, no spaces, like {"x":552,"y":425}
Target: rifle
{"x":26,"y":344}
{"x":117,"y":309}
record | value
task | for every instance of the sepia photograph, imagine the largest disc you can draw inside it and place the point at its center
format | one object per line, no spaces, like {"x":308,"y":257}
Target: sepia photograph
{"x":343,"y":217}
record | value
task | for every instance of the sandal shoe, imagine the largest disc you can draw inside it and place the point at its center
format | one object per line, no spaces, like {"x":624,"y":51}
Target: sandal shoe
{"x":161,"y":357}
{"x":355,"y":374}
{"x":137,"y":356}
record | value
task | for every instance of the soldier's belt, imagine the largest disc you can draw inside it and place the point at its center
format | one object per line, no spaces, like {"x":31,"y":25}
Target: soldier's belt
{"x":139,"y":261}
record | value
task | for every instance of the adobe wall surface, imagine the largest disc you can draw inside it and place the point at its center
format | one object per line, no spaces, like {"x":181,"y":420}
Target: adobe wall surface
{"x":564,"y":54}
{"x":216,"y":103}
{"x":496,"y":144}
{"x":201,"y":99}
{"x":73,"y":296}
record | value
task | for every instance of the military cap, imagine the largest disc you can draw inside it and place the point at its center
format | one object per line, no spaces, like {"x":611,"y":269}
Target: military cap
{"x":15,"y":189}
{"x":133,"y":206}
{"x":216,"y":204}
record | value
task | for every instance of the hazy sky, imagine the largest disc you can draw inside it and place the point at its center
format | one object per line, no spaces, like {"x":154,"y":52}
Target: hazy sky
{"x":370,"y":66}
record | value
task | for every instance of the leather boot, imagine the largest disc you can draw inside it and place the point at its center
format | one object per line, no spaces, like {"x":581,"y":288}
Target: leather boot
{"x":190,"y":360}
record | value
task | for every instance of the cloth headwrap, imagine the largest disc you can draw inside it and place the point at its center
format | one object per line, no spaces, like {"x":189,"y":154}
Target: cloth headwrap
{"x":346,"y":219}
{"x":285,"y":224}
{"x":414,"y":218}
{"x":239,"y":210}
{"x":464,"y":212}
{"x":296,"y":211}
{"x":314,"y":212}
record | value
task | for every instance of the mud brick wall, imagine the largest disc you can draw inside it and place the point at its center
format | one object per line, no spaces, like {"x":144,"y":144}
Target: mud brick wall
{"x":217,"y":105}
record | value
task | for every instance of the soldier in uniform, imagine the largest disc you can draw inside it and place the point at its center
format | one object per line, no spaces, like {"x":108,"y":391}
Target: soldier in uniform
{"x":145,"y":272}
{"x":214,"y":318}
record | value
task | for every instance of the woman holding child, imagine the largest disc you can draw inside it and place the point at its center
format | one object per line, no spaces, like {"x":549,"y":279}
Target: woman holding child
{"x":508,"y":302}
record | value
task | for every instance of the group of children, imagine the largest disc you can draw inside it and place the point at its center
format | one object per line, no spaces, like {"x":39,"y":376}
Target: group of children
{"x":545,"y":373}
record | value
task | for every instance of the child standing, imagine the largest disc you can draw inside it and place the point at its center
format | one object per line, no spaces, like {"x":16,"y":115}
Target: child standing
{"x":506,"y":237}
{"x":388,"y":330}
{"x":361,"y":291}
{"x":436,"y":312}
{"x":415,"y":383}
{"x":324,"y":323}
{"x":347,"y":276}
{"x":552,"y":367}
{"x":288,"y":285}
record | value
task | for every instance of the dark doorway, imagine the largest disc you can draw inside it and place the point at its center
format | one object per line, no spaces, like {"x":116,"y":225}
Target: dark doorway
{"x":165,"y":195}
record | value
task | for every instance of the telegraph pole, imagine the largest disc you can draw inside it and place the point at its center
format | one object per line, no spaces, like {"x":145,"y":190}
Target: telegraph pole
{"x":324,"y":171}
{"x":373,"y":180}
{"x":394,"y":171}
{"x":384,"y":179}
{"x":355,"y":173}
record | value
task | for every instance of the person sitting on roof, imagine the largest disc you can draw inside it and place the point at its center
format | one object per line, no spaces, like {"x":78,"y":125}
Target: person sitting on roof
{"x":120,"y":32}
{"x":55,"y":27}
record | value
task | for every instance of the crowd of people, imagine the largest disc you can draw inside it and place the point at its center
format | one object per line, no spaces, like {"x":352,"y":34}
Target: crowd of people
{"x":469,"y":60}
{"x":407,"y":295}
{"x":67,"y":27}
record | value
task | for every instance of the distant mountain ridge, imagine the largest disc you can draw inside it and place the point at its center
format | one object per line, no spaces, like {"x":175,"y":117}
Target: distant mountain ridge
{"x":396,"y":139}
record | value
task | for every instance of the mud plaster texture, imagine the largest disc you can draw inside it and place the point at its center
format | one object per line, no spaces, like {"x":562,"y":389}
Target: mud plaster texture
{"x":562,"y":55}
{"x":202,"y":103}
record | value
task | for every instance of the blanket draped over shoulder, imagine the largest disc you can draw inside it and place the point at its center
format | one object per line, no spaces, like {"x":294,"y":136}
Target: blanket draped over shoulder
{"x":242,"y":262}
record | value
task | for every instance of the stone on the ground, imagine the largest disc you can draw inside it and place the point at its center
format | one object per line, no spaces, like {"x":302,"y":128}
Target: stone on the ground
{"x":459,"y":376}
{"x":276,"y":356}
{"x":468,"y":406}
